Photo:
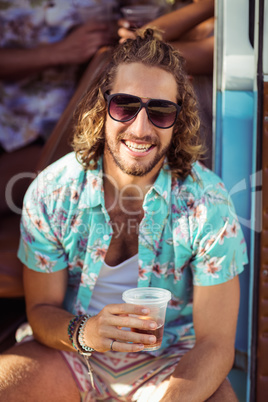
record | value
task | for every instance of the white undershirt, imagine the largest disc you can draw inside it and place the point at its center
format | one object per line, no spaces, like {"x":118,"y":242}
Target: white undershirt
{"x":112,"y":282}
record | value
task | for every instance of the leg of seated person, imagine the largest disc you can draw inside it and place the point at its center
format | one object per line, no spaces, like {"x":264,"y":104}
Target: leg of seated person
{"x":33,"y":372}
{"x":224,"y":393}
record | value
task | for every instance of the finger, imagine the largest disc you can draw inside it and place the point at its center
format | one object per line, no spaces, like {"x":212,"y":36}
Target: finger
{"x":123,"y":23}
{"x":127,"y":308}
{"x":131,"y":336}
{"x":132,"y":322}
{"x":141,"y":331}
{"x":126,"y":34}
{"x":125,"y":347}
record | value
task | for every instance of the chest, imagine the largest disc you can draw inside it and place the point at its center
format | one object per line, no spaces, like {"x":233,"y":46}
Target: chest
{"x":124,"y":242}
{"x":162,"y":253}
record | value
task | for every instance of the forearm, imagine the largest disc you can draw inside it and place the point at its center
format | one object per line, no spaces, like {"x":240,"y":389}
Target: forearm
{"x":76,"y":48}
{"x":175,"y":24}
{"x":20,"y":63}
{"x":200,"y":372}
{"x":50,"y":326}
{"x":198,"y":55}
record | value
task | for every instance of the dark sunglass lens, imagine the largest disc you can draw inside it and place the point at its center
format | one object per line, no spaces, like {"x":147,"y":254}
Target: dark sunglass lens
{"x":124,"y":107}
{"x":162,"y":113}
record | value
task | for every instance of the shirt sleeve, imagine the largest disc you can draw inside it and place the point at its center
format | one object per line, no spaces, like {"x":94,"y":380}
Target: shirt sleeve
{"x":40,"y":248}
{"x":219,"y":247}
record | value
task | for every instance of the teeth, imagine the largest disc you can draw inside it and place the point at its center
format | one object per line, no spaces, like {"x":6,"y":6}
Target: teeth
{"x":137,"y":147}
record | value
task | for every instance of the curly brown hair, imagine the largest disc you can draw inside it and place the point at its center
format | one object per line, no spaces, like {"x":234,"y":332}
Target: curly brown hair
{"x":148,"y":48}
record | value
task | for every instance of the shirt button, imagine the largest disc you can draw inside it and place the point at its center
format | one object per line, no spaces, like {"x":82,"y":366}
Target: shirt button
{"x":106,"y":237}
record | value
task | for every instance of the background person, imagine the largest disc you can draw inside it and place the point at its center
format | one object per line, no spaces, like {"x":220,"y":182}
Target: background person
{"x":131,"y":203}
{"x":43,"y":44}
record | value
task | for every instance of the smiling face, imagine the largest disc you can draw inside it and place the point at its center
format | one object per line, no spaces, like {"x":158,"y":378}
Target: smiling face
{"x":137,"y":147}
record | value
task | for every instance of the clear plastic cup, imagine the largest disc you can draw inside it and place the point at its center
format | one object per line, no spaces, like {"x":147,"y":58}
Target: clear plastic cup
{"x":140,"y":14}
{"x":89,"y":11}
{"x":156,"y":299}
{"x":103,"y":13}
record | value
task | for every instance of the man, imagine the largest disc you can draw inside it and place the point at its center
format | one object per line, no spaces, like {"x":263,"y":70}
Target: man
{"x":130,"y":206}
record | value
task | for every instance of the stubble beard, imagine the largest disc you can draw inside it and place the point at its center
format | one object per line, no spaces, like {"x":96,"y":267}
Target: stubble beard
{"x":138,"y":169}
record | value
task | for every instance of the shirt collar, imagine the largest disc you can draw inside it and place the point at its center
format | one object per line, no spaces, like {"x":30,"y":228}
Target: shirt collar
{"x":162,"y":185}
{"x":93,"y":191}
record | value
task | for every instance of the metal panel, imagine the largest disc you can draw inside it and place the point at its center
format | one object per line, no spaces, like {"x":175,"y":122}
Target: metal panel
{"x":234,"y":164}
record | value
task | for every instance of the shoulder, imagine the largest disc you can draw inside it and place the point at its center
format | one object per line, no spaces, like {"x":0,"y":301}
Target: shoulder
{"x":200,"y":185}
{"x":62,"y":181}
{"x":63,"y":172}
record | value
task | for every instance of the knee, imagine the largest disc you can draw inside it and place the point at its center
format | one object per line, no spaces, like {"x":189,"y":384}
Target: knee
{"x":31,"y":371}
{"x":14,"y":370}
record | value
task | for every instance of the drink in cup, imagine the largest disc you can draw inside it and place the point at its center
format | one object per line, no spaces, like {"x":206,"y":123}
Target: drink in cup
{"x":140,"y":14}
{"x":89,"y":11}
{"x":100,"y":12}
{"x":156,"y":300}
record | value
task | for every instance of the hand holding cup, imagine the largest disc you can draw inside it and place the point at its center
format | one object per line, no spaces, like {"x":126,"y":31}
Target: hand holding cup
{"x":156,"y":300}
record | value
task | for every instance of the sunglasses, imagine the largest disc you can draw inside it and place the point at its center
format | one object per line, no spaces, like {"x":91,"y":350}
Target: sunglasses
{"x":161,"y":113}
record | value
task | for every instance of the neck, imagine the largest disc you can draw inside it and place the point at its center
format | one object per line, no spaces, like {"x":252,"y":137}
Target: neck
{"x":127,"y":188}
{"x":115,"y":178}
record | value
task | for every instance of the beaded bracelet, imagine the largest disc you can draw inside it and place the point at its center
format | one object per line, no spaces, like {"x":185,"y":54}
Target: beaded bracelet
{"x":86,"y":354}
{"x":81,"y":331}
{"x":72,"y":325}
{"x":81,"y":348}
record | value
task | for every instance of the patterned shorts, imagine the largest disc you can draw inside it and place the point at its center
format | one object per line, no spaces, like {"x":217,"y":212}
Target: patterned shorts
{"x":120,"y":376}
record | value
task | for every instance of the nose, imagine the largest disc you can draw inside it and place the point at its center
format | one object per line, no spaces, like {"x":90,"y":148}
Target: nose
{"x":141,"y":124}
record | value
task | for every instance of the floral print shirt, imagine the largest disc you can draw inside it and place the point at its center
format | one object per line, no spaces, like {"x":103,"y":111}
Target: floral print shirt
{"x":189,"y":235}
